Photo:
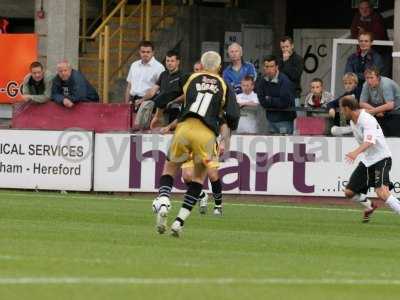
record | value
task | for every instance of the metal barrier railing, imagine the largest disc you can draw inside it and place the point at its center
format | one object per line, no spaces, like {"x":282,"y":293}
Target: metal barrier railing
{"x":105,"y":35}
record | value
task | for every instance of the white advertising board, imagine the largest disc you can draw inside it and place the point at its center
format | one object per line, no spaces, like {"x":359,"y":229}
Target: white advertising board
{"x":263,"y":165}
{"x":49,"y":160}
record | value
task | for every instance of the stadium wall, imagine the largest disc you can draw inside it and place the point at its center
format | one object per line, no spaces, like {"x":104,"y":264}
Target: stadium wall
{"x":123,"y":162}
{"x":256,"y":165}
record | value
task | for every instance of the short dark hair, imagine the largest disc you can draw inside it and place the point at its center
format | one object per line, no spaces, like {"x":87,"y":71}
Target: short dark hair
{"x":317,"y":79}
{"x":146,"y":44}
{"x":373,"y":69}
{"x":248,"y":78}
{"x":271,"y":58}
{"x":370,"y":34}
{"x":35,"y":64}
{"x":286,"y":38}
{"x":350,"y":102}
{"x":171,"y":53}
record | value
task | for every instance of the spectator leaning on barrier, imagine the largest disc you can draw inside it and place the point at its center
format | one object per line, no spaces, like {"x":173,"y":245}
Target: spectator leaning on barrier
{"x":317,"y":97}
{"x":37,"y":84}
{"x":70,"y":87}
{"x":275,"y":91}
{"x":350,"y":82}
{"x":143,"y":74}
{"x":291,"y":64}
{"x":381,"y":97}
{"x":249,"y":107}
{"x":237,"y":69}
{"x":364,"y":57}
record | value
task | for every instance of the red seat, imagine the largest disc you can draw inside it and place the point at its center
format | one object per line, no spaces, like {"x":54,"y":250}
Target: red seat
{"x":311,"y":125}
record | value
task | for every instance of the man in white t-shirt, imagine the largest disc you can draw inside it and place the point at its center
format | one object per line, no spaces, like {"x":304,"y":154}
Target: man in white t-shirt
{"x":143,"y":74}
{"x":375,"y":159}
{"x":249,"y":107}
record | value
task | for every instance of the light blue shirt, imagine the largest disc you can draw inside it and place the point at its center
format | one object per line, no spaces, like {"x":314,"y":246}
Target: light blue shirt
{"x":387,"y":90}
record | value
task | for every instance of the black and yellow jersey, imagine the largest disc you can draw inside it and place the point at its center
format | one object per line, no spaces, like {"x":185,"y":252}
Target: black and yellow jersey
{"x":209,"y":98}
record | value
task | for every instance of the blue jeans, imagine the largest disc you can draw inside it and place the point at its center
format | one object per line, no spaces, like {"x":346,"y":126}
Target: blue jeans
{"x":283,"y":127}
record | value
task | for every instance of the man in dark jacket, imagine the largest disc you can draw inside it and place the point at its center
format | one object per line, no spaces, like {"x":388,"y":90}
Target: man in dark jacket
{"x":364,"y":58}
{"x":367,"y":20}
{"x":291,"y":64}
{"x":276,"y":92}
{"x":70,"y":87}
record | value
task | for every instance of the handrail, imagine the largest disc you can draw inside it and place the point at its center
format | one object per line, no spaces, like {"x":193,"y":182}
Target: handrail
{"x":105,"y":22}
{"x":106,"y":71}
{"x":133,"y":52}
{"x":100,"y":16}
{"x":134,"y":11}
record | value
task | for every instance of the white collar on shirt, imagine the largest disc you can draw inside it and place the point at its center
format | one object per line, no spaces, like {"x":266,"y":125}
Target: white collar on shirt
{"x":150,"y":63}
{"x":274,"y":79}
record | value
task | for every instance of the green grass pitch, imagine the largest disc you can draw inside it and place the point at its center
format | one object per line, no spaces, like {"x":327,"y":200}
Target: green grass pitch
{"x":80,"y":246}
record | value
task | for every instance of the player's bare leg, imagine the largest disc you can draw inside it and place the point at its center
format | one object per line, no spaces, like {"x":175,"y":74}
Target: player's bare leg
{"x":190,"y":198}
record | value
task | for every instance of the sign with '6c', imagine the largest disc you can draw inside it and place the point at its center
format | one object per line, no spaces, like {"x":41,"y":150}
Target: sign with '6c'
{"x":17,"y":52}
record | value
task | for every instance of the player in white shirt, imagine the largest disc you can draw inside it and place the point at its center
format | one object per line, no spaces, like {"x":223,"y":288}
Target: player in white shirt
{"x":249,"y":107}
{"x":375,"y":159}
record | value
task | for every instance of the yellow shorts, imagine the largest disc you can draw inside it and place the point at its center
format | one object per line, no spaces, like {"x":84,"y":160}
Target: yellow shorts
{"x":193,"y":142}
{"x":214,"y":164}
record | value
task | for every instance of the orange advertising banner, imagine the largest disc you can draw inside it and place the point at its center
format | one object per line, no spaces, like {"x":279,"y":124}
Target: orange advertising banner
{"x":17,"y":52}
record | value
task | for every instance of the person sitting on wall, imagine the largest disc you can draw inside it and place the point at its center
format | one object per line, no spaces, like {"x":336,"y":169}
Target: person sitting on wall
{"x":70,"y":87}
{"x":37,"y":84}
{"x":143,"y":75}
{"x":167,"y":89}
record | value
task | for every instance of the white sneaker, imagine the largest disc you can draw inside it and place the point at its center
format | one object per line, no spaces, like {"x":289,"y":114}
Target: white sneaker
{"x":217,"y":210}
{"x":203,"y":201}
{"x":176,"y":229}
{"x":161,"y":220}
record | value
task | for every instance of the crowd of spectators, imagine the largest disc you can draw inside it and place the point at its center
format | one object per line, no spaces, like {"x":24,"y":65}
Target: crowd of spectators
{"x":269,"y":101}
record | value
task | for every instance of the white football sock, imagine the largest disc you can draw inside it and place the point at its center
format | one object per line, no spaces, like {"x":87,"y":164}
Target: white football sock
{"x":393,"y":203}
{"x":363,"y":200}
{"x":184,"y":213}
